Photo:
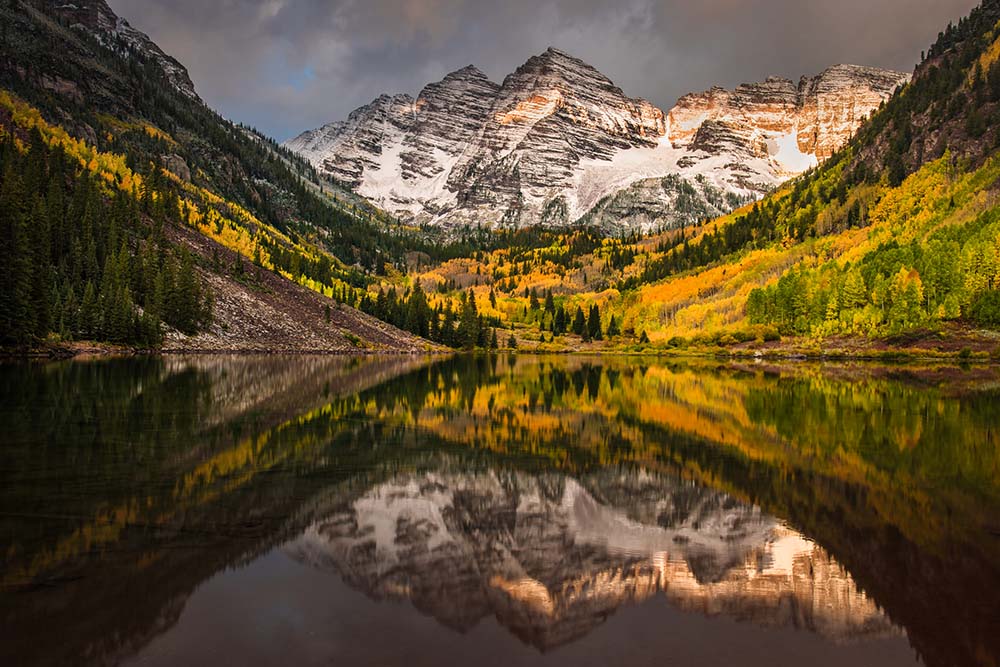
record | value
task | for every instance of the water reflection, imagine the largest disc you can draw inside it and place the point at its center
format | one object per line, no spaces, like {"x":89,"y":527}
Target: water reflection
{"x":550,"y":561}
{"x":857,"y":505}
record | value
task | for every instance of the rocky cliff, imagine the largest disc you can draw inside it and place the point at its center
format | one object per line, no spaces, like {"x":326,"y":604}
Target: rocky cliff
{"x":795,"y":124}
{"x":557,"y":142}
{"x":97,"y":19}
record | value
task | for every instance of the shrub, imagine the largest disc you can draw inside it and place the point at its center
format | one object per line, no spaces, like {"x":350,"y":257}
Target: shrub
{"x":725,"y":340}
{"x":677,"y":341}
{"x":985,"y":310}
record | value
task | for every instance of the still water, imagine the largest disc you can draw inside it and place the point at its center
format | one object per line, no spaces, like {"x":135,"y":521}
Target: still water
{"x":497,"y":511}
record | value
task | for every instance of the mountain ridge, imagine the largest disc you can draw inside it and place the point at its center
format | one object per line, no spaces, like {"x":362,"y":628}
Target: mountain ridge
{"x":558,"y":137}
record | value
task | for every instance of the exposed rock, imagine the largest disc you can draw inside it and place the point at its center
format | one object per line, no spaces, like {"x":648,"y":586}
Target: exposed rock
{"x":795,"y":124}
{"x":176,"y":164}
{"x":95,"y":17}
{"x":558,"y":138}
{"x":61,"y":86}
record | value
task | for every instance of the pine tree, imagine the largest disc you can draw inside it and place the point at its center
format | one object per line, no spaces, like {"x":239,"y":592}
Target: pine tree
{"x":559,"y":322}
{"x":42,"y":278}
{"x":579,"y":322}
{"x":89,"y":315}
{"x":418,"y":313}
{"x":613,"y":329}
{"x":468,"y":323}
{"x":16,"y":312}
{"x":533,"y":304}
{"x":594,"y":323}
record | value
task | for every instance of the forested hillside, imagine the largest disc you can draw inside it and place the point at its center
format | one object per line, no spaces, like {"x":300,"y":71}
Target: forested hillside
{"x":101,"y":118}
{"x":894,"y":238}
{"x":163,"y":219}
{"x":80,"y":265}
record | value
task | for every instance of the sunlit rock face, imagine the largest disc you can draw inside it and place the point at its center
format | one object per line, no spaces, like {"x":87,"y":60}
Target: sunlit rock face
{"x":557,"y":142}
{"x":551,"y":557}
{"x":796,"y":125}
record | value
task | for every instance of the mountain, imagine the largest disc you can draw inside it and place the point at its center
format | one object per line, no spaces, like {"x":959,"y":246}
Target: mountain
{"x":889,"y":244}
{"x":97,"y":19}
{"x":557,"y":141}
{"x":157,"y":221}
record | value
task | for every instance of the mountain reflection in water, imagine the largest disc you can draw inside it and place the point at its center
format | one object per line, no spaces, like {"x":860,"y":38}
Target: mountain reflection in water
{"x":831,"y":514}
{"x":551,"y":562}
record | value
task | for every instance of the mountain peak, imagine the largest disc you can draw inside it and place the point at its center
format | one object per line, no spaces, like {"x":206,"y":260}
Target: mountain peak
{"x":554,"y":55}
{"x":557,"y":69}
{"x":557,"y":136}
{"x":469,"y":71}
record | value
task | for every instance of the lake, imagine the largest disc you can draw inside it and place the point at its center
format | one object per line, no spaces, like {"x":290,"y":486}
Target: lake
{"x":498,"y":510}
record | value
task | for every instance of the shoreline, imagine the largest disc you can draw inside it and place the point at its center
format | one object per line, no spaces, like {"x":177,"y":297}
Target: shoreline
{"x":785,"y":353}
{"x":89,"y":350}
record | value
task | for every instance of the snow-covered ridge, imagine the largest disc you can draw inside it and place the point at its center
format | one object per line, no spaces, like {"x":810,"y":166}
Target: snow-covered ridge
{"x":557,"y":141}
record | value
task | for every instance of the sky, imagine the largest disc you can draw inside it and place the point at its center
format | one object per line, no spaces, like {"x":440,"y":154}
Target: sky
{"x":285,"y":66}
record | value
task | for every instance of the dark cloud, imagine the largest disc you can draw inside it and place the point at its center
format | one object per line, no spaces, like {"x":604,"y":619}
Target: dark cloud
{"x":289,"y":65}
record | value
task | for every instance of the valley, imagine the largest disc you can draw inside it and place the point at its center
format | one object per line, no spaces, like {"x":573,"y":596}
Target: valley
{"x":585,"y":354}
{"x":851,"y":212}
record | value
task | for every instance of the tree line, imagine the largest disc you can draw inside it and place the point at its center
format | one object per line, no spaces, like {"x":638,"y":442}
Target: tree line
{"x":953,"y":274}
{"x":79,"y":264}
{"x":461,"y":327}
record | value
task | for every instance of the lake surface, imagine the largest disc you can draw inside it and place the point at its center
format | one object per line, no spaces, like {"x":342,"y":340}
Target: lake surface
{"x":497,"y":511}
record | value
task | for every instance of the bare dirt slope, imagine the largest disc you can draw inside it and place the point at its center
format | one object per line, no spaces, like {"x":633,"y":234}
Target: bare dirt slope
{"x":264,"y":312}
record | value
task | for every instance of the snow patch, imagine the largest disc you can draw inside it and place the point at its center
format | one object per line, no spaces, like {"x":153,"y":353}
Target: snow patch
{"x":785,"y":151}
{"x":596,"y":179}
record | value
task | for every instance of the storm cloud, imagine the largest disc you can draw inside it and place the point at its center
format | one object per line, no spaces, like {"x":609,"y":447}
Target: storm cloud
{"x":289,"y":65}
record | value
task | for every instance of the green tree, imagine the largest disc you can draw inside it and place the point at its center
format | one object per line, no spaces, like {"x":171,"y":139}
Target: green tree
{"x":613,"y":328}
{"x":468,"y":322}
{"x":418,"y":313}
{"x":594,"y":322}
{"x":533,"y":304}
{"x":853,"y":294}
{"x":579,"y":322}
{"x":16,"y":312}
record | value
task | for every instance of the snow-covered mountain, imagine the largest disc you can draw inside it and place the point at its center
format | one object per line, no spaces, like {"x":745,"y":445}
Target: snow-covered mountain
{"x":558,"y":142}
{"x":552,"y":556}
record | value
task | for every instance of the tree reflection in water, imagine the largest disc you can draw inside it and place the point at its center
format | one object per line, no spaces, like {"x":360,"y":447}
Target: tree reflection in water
{"x":854,"y":503}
